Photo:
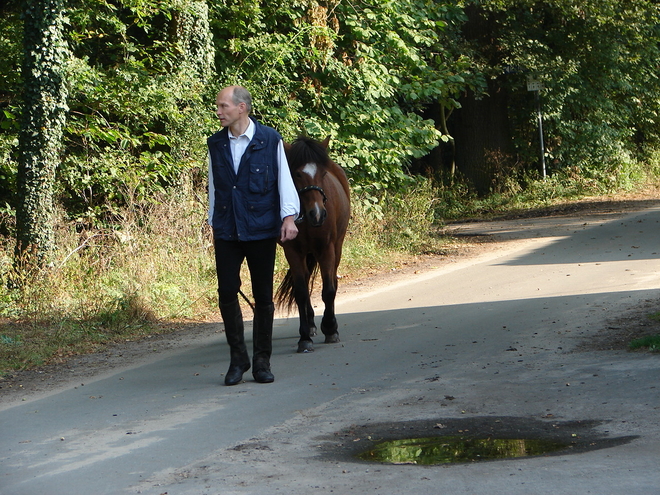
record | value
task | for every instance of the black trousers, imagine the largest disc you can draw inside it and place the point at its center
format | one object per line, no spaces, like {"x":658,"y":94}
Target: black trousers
{"x":260,"y":256}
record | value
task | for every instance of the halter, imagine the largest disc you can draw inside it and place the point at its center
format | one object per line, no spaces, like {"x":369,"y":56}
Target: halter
{"x":314,"y":188}
{"x":301,"y":217}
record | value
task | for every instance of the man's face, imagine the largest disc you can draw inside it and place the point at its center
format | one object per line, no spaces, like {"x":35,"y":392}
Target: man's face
{"x":226,"y":110}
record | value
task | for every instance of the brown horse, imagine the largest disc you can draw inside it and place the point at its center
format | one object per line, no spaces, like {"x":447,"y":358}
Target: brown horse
{"x":325,"y":211}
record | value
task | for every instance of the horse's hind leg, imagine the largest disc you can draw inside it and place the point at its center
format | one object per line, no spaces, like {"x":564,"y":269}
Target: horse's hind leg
{"x":310,"y":262}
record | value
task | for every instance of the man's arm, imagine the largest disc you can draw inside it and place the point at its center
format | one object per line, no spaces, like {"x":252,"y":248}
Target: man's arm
{"x":289,"y":200}
{"x":289,"y":230}
{"x":211,"y":190}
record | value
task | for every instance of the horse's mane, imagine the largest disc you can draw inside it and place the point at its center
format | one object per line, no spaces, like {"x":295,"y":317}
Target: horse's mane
{"x":306,"y":150}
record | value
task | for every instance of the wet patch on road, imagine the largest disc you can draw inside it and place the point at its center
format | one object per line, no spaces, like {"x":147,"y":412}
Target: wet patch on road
{"x":465,"y":440}
{"x":431,"y":451}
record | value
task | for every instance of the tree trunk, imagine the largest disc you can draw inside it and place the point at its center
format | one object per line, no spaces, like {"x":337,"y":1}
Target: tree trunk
{"x":191,"y":32}
{"x":481,"y":126}
{"x":482,"y":136}
{"x":43,"y":119}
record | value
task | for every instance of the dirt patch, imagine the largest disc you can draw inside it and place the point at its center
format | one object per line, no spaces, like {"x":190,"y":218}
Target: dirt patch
{"x":622,"y":329}
{"x":21,"y":385}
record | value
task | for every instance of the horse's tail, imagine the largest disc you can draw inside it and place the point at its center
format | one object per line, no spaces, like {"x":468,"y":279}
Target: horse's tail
{"x":285,"y":295}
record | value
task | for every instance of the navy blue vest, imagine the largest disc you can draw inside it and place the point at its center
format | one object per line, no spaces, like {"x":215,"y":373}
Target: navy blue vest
{"x":247,"y":203}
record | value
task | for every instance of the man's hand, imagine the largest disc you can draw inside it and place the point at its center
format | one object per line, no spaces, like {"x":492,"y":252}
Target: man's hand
{"x":289,"y":230}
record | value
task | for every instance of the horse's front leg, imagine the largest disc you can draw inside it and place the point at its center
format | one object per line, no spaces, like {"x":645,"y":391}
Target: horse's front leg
{"x":309,"y":312}
{"x":300,"y":274}
{"x":329,"y":324}
{"x":307,"y":330}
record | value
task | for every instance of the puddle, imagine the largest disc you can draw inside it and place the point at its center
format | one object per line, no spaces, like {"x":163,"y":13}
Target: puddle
{"x":445,"y":450}
{"x":449,"y":441}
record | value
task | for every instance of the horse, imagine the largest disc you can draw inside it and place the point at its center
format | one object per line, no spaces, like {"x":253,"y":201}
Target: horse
{"x":325,"y":209}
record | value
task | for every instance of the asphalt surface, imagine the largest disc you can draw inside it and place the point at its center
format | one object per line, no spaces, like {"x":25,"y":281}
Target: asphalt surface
{"x":485,"y":346}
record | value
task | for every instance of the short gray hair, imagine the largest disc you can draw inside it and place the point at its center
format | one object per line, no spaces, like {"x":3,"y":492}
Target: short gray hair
{"x":242,"y":95}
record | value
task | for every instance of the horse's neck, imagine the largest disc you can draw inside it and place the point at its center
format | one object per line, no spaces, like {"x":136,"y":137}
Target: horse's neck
{"x":339,"y":173}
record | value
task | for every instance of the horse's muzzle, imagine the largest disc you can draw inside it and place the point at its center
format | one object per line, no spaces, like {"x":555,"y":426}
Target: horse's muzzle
{"x":316,"y":216}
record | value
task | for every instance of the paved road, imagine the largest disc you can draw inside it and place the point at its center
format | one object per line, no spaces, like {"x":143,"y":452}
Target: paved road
{"x":481,"y":343}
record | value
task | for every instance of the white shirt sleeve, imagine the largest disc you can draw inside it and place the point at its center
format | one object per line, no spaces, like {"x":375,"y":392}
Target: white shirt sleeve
{"x":289,"y":200}
{"x":211,"y":191}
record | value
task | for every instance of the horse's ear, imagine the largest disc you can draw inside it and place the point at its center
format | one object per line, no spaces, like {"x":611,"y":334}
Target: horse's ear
{"x":287,"y":146}
{"x":326,"y":142}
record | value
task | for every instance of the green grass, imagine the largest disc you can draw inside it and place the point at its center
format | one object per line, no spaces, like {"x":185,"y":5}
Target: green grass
{"x":651,"y":342}
{"x":655,"y":316}
{"x":528,"y":191}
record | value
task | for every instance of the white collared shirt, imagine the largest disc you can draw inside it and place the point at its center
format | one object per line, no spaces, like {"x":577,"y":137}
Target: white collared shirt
{"x":289,"y":200}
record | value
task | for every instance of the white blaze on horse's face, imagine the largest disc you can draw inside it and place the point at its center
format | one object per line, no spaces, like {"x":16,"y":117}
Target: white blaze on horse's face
{"x":313,"y":209}
{"x":310,"y":169}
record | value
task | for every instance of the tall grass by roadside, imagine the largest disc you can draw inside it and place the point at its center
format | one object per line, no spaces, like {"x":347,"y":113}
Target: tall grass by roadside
{"x":106,"y":285}
{"x":528,"y":190}
{"x":155,"y":267}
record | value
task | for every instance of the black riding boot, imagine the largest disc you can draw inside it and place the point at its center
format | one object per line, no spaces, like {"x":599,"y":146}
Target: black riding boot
{"x":234,"y":330}
{"x":262,"y":338}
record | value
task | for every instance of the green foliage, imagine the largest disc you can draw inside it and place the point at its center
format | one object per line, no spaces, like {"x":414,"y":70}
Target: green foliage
{"x":454,"y":199}
{"x":138,"y":99}
{"x":360,"y":73}
{"x":11,"y":39}
{"x":597,"y":61}
{"x":141,"y":86}
{"x":407,"y":219}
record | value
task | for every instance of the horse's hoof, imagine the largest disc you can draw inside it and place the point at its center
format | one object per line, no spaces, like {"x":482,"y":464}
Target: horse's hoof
{"x":305,"y":346}
{"x":332,"y":339}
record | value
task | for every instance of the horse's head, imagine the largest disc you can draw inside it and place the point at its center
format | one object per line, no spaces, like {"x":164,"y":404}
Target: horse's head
{"x":308,"y":161}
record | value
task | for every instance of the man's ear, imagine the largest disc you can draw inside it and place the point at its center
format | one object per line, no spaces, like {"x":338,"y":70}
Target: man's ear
{"x":287,"y":146}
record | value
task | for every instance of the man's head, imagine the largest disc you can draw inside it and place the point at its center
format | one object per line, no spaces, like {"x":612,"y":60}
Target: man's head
{"x":233,"y":106}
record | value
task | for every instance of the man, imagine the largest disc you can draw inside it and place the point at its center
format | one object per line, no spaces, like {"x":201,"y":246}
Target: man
{"x":252,"y":203}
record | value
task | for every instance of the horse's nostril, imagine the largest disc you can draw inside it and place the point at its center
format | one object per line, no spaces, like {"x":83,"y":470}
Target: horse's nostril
{"x":317,"y":217}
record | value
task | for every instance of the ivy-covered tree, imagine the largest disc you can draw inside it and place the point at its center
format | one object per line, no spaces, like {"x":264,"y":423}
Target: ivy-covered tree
{"x":43,"y":119}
